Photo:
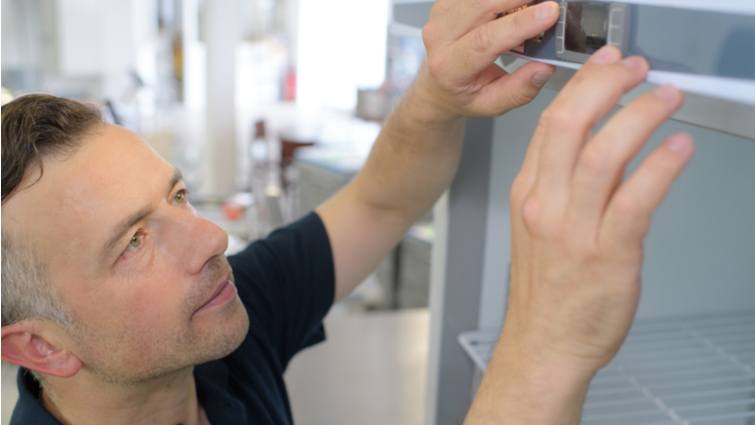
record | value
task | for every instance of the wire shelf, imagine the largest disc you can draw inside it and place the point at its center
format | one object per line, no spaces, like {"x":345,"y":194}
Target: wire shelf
{"x":681,"y":371}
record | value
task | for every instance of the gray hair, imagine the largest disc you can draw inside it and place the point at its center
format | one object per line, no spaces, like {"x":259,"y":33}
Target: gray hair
{"x":26,"y":291}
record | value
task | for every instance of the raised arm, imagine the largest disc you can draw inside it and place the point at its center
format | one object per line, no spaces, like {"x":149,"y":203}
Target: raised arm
{"x":417,"y":152}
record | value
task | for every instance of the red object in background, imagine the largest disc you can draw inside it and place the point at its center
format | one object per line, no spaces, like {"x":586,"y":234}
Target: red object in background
{"x":232,"y":211}
{"x":289,"y":85}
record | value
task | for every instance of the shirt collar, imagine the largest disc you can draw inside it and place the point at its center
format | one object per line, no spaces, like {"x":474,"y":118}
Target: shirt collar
{"x":211,"y":380}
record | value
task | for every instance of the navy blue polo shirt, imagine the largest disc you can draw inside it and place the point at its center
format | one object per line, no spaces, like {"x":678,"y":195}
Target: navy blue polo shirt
{"x":287,"y":283}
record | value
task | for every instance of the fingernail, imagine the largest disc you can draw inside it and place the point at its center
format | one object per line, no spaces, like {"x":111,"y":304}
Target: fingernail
{"x":667,"y":93}
{"x":546,"y":11}
{"x":540,"y":78}
{"x":606,"y":54}
{"x":634,"y":63}
{"x":681,"y":144}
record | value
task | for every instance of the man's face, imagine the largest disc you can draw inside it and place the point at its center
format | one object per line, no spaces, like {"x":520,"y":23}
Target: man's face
{"x":130,"y":258}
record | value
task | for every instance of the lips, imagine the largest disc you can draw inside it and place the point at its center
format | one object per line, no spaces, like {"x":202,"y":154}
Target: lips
{"x":223,"y":291}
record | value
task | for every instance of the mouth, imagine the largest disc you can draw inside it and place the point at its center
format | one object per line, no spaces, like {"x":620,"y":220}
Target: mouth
{"x":224,"y":292}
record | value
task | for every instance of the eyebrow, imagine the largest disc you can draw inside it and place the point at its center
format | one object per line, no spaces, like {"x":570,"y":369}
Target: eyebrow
{"x":132,"y":219}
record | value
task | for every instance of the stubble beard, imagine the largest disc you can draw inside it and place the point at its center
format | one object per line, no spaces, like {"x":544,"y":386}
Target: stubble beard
{"x":154,"y":357}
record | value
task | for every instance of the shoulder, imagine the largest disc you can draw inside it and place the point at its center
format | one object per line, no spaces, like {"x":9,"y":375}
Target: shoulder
{"x":295,"y":251}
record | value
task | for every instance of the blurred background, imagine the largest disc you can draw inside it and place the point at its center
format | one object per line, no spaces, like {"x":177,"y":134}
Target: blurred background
{"x":268,"y":107}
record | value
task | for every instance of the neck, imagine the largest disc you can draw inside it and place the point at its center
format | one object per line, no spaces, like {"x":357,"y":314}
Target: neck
{"x":84,"y":399}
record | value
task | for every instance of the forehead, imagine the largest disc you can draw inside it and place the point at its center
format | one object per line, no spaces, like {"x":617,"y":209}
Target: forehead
{"x":81,"y":194}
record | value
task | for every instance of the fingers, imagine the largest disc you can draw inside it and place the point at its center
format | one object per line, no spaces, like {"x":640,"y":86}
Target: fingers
{"x":511,"y":91}
{"x":456,"y":18}
{"x":480,"y":47}
{"x":464,"y":38}
{"x":627,"y":218}
{"x":602,"y":163}
{"x":587,"y":98}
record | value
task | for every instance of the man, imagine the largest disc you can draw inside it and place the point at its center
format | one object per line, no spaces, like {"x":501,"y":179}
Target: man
{"x":118,"y":297}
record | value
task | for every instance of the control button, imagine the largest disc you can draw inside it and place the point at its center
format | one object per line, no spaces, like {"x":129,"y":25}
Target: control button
{"x":616,"y":37}
{"x":560,"y":45}
{"x":617,"y":17}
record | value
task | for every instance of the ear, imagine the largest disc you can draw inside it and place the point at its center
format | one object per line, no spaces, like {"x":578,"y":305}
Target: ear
{"x":22,"y":345}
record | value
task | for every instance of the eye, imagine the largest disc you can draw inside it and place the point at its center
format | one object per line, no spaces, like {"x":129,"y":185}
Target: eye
{"x":181,"y":196}
{"x":136,"y":242}
{"x":136,"y":246}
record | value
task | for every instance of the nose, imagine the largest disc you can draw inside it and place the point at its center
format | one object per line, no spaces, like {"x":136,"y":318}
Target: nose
{"x":195,"y":240}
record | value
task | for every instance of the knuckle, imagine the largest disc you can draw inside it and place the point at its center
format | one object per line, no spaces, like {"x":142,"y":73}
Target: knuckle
{"x":618,"y":78}
{"x":595,"y":161}
{"x":481,"y":40}
{"x":519,"y":21}
{"x":555,"y":118}
{"x":519,"y":191}
{"x":644,"y":113}
{"x":428,"y":34}
{"x":626,"y":208}
{"x":531,"y":214}
{"x":522,"y":97}
{"x":651,"y":108}
{"x":536,"y":221}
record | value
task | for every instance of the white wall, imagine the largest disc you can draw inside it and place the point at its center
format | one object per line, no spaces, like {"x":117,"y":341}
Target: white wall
{"x":341,"y":46}
{"x":81,"y":34}
{"x":106,"y":38}
{"x":28,"y":33}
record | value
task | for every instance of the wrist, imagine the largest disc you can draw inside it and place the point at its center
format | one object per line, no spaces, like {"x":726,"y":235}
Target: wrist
{"x":431,"y":104}
{"x":524,"y":387}
{"x":536,"y":370}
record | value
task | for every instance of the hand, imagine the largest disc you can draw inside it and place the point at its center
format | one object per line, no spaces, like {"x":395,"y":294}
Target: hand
{"x":463,"y":39}
{"x":578,"y":226}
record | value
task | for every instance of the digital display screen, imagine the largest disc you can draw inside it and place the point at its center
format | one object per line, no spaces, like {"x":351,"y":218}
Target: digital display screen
{"x":586,"y":26}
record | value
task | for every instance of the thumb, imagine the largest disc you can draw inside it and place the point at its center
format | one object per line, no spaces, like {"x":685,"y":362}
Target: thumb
{"x":514,"y":90}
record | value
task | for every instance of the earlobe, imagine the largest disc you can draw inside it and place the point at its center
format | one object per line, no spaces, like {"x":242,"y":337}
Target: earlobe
{"x":22,"y":347}
{"x":62,"y":363}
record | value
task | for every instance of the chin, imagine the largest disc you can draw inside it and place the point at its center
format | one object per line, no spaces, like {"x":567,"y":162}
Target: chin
{"x":228,"y":332}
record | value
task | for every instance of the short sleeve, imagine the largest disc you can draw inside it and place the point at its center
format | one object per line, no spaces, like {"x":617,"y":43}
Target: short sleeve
{"x":287,"y":283}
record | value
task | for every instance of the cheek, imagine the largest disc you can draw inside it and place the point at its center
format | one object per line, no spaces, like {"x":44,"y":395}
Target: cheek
{"x":135,"y":327}
{"x":137,"y":312}
{"x":155,"y":306}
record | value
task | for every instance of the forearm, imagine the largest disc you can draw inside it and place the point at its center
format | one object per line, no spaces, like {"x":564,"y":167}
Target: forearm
{"x":412,"y":162}
{"x":414,"y":158}
{"x":417,"y":153}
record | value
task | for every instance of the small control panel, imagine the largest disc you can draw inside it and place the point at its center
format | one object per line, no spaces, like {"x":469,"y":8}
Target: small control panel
{"x":686,"y":46}
{"x":585,"y":26}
